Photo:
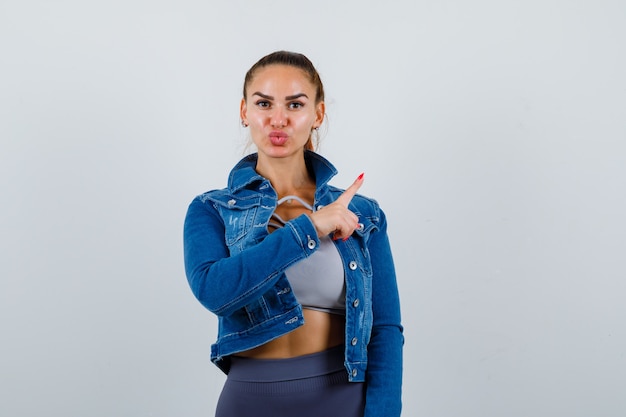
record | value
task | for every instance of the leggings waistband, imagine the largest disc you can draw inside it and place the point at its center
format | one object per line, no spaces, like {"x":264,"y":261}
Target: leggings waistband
{"x":272,"y":370}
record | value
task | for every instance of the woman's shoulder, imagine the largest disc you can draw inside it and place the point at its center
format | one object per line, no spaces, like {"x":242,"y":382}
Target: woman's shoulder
{"x":228,"y":198}
{"x":215,"y":194}
{"x":222,"y":197}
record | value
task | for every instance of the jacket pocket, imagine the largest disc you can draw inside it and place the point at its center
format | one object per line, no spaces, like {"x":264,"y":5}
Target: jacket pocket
{"x":274,"y":303}
{"x":239,"y":217}
{"x":362,"y":235}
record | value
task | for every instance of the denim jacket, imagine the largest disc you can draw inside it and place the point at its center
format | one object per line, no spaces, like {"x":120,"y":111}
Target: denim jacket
{"x":236,"y":270}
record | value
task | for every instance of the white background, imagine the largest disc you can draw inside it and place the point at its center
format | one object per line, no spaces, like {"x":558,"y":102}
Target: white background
{"x":491,"y":132}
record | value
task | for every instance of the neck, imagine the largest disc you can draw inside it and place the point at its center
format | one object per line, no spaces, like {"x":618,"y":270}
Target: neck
{"x":287,"y":175}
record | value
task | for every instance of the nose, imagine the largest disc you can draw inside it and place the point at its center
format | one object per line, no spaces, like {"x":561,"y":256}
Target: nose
{"x":278,"y":118}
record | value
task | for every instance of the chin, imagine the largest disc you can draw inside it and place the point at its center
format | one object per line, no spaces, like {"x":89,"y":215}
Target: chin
{"x":280,"y":151}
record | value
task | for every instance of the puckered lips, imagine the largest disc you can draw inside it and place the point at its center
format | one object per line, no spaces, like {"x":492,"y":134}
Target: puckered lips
{"x":278,"y":137}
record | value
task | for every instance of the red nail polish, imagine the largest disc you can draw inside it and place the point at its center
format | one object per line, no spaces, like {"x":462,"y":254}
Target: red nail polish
{"x":346,"y":238}
{"x":360,"y":177}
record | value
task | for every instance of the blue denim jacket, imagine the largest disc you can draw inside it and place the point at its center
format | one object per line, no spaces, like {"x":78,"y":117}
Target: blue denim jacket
{"x":236,"y":270}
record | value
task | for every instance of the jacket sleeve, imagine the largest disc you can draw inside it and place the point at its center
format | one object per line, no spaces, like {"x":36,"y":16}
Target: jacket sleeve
{"x":224,"y":283}
{"x":384,"y":363}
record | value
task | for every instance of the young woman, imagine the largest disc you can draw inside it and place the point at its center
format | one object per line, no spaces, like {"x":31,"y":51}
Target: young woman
{"x":299,"y":273}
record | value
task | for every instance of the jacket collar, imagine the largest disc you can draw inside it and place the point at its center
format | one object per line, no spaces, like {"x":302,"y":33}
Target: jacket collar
{"x":244,"y":173}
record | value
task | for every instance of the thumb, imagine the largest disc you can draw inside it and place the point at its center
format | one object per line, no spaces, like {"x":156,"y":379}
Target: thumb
{"x":345,"y":198}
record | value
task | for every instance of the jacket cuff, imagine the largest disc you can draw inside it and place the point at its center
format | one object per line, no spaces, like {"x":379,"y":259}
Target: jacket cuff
{"x":304,"y":231}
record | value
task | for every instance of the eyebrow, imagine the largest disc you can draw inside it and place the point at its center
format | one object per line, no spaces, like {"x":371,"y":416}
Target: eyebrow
{"x":293,"y":97}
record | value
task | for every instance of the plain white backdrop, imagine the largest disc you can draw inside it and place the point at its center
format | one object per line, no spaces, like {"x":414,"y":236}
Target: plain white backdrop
{"x":493,"y":134}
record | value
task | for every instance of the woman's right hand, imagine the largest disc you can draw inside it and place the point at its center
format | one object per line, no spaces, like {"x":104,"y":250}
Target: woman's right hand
{"x":336,"y":218}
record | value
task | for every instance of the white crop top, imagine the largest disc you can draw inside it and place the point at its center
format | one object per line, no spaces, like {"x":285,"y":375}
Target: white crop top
{"x":317,"y":281}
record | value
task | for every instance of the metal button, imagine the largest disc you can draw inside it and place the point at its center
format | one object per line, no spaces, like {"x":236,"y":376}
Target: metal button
{"x":311,"y":244}
{"x":354,"y":372}
{"x":231,"y":202}
{"x":360,"y":227}
{"x":355,"y":303}
{"x":319,"y":207}
{"x":352,"y":265}
{"x":354,"y":341}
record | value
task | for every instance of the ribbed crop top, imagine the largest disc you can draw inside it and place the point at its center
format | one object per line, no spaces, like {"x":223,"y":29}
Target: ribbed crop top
{"x":317,"y":281}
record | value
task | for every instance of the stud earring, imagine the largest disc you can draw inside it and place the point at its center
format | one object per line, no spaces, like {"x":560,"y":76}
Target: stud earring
{"x":243,"y":123}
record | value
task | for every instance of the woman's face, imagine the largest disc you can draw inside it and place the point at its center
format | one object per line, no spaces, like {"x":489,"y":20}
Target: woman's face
{"x":280,"y":110}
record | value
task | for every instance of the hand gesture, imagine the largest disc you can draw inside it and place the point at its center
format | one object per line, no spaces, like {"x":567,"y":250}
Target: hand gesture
{"x":335,"y":218}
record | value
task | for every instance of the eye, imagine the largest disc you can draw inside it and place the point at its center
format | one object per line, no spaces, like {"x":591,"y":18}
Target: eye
{"x":294,"y":105}
{"x":264,"y":104}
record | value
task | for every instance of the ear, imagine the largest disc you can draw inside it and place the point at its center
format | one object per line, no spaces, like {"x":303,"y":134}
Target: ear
{"x":243,"y":110}
{"x":320,"y":111}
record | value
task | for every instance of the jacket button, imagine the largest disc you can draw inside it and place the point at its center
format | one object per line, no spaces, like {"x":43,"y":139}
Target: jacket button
{"x":360,"y":227}
{"x":231,"y":202}
{"x":354,"y":341}
{"x":354,"y":372}
{"x":352,"y":265}
{"x":355,"y":303}
{"x":320,"y":207}
{"x":311,"y":244}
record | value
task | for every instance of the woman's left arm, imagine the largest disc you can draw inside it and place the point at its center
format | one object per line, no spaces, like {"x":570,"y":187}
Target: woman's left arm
{"x":384,"y":364}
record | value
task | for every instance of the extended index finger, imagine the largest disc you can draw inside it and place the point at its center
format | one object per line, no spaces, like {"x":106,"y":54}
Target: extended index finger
{"x":345,"y":198}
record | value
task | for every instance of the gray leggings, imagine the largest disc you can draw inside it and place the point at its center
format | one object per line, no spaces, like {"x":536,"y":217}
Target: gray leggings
{"x":306,"y":386}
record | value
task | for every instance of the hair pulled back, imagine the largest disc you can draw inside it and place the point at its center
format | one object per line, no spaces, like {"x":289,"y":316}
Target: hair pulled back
{"x":292,"y":59}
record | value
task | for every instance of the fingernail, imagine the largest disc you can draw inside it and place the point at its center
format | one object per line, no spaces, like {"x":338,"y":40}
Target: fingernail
{"x":360,"y":177}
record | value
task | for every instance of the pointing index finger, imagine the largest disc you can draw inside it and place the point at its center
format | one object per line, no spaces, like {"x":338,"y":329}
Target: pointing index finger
{"x":345,"y":198}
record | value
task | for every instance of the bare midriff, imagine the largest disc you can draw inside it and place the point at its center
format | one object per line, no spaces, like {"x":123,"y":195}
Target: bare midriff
{"x":321,"y":331}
